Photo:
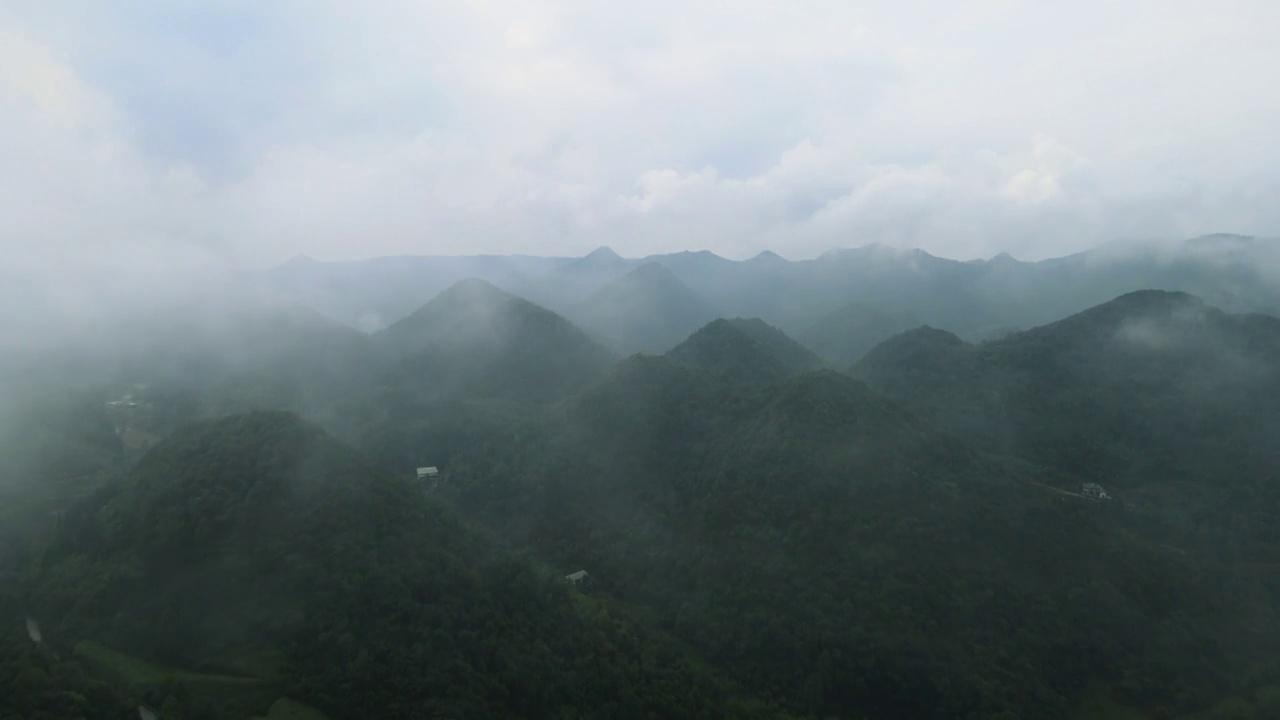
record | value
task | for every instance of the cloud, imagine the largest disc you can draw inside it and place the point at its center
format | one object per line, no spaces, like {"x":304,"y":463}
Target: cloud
{"x":250,"y":132}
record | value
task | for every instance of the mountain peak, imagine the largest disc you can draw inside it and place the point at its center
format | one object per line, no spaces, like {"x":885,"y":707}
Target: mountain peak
{"x":604,"y":252}
{"x":647,"y":310}
{"x":475,"y":339}
{"x":767,"y":256}
{"x":472,"y":290}
{"x":300,"y":261}
{"x":923,"y":346}
{"x":745,"y":350}
{"x":651,"y":271}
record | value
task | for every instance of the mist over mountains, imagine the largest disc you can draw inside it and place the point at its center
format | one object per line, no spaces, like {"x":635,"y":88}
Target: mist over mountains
{"x":631,"y":305}
{"x":875,"y":484}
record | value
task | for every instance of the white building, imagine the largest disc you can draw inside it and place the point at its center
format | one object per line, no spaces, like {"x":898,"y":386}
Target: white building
{"x":1094,"y":490}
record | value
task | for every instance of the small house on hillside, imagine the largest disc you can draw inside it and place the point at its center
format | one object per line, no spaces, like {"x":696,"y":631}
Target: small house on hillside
{"x":1095,"y":491}
{"x":428,"y":473}
{"x":578,"y":578}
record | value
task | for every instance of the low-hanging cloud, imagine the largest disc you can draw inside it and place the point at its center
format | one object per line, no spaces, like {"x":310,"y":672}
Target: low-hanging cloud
{"x":138,"y":133}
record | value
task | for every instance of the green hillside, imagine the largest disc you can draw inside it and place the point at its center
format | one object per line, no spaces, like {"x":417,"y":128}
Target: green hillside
{"x":762,"y":537}
{"x":816,"y":541}
{"x":745,"y":350}
{"x":257,"y":536}
{"x":476,"y":341}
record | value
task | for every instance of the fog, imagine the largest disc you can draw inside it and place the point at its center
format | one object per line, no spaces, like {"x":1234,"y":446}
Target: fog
{"x":879,"y":362}
{"x":258,"y":133}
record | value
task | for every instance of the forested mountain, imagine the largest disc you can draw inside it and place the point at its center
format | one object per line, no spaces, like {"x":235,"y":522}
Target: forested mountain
{"x":745,"y":350}
{"x":816,"y":541}
{"x":371,"y":294}
{"x":647,"y":310}
{"x":1169,"y":401}
{"x":255,"y":547}
{"x":847,"y":333}
{"x":474,"y":340}
{"x":53,"y":447}
{"x":1151,"y":387}
{"x":975,"y":299}
{"x":763,"y":537}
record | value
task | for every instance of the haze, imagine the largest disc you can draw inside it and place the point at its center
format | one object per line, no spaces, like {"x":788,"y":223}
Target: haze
{"x":142,"y":134}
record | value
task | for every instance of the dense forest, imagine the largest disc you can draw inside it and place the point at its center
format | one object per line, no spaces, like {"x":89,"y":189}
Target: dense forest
{"x":234,"y":527}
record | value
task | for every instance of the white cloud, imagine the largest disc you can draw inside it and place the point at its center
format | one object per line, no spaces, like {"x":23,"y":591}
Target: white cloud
{"x":351,"y":130}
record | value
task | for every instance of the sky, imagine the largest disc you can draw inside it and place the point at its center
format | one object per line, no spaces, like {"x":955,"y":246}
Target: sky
{"x":139,"y":133}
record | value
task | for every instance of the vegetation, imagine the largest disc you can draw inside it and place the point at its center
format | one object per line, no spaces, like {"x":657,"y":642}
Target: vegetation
{"x":746,"y":351}
{"x":286,"y":709}
{"x":765,"y":538}
{"x":258,"y":532}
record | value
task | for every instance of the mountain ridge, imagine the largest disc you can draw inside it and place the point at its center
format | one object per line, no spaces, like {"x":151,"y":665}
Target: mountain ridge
{"x":745,"y":350}
{"x":972,"y":298}
{"x":647,"y":310}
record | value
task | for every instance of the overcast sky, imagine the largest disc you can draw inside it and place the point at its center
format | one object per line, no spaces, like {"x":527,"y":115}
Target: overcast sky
{"x":253,"y":131}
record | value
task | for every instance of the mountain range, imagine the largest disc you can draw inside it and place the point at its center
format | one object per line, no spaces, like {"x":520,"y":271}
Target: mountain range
{"x":974,"y":299}
{"x":775,"y":524}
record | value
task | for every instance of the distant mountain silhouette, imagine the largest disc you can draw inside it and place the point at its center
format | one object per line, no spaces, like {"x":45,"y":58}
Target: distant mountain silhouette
{"x":846,"y":334}
{"x":647,"y":310}
{"x":476,"y":340}
{"x":1149,"y":392}
{"x":975,"y":299}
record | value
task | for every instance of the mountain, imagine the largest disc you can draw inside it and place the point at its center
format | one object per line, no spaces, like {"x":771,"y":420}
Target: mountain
{"x":1168,"y":401}
{"x":371,"y":294}
{"x":260,"y":552}
{"x":745,"y":350}
{"x":844,"y":335}
{"x":476,"y":340}
{"x":817,"y":541}
{"x":976,"y":299}
{"x":647,"y":310}
{"x":765,"y":286}
{"x":55,"y":444}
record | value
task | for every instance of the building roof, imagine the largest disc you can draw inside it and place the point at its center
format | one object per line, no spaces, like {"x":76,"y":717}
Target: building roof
{"x":576,"y":576}
{"x":427,"y":471}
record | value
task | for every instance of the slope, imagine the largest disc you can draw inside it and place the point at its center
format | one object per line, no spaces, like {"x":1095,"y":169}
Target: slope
{"x":477,"y":341}
{"x":255,"y":545}
{"x":256,"y":356}
{"x":1110,"y":392}
{"x":844,"y":335}
{"x":745,"y":350}
{"x":821,"y":544}
{"x":567,"y":285}
{"x":372,"y":294}
{"x":975,"y":299}
{"x":647,"y":310}
{"x":1169,"y":403}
